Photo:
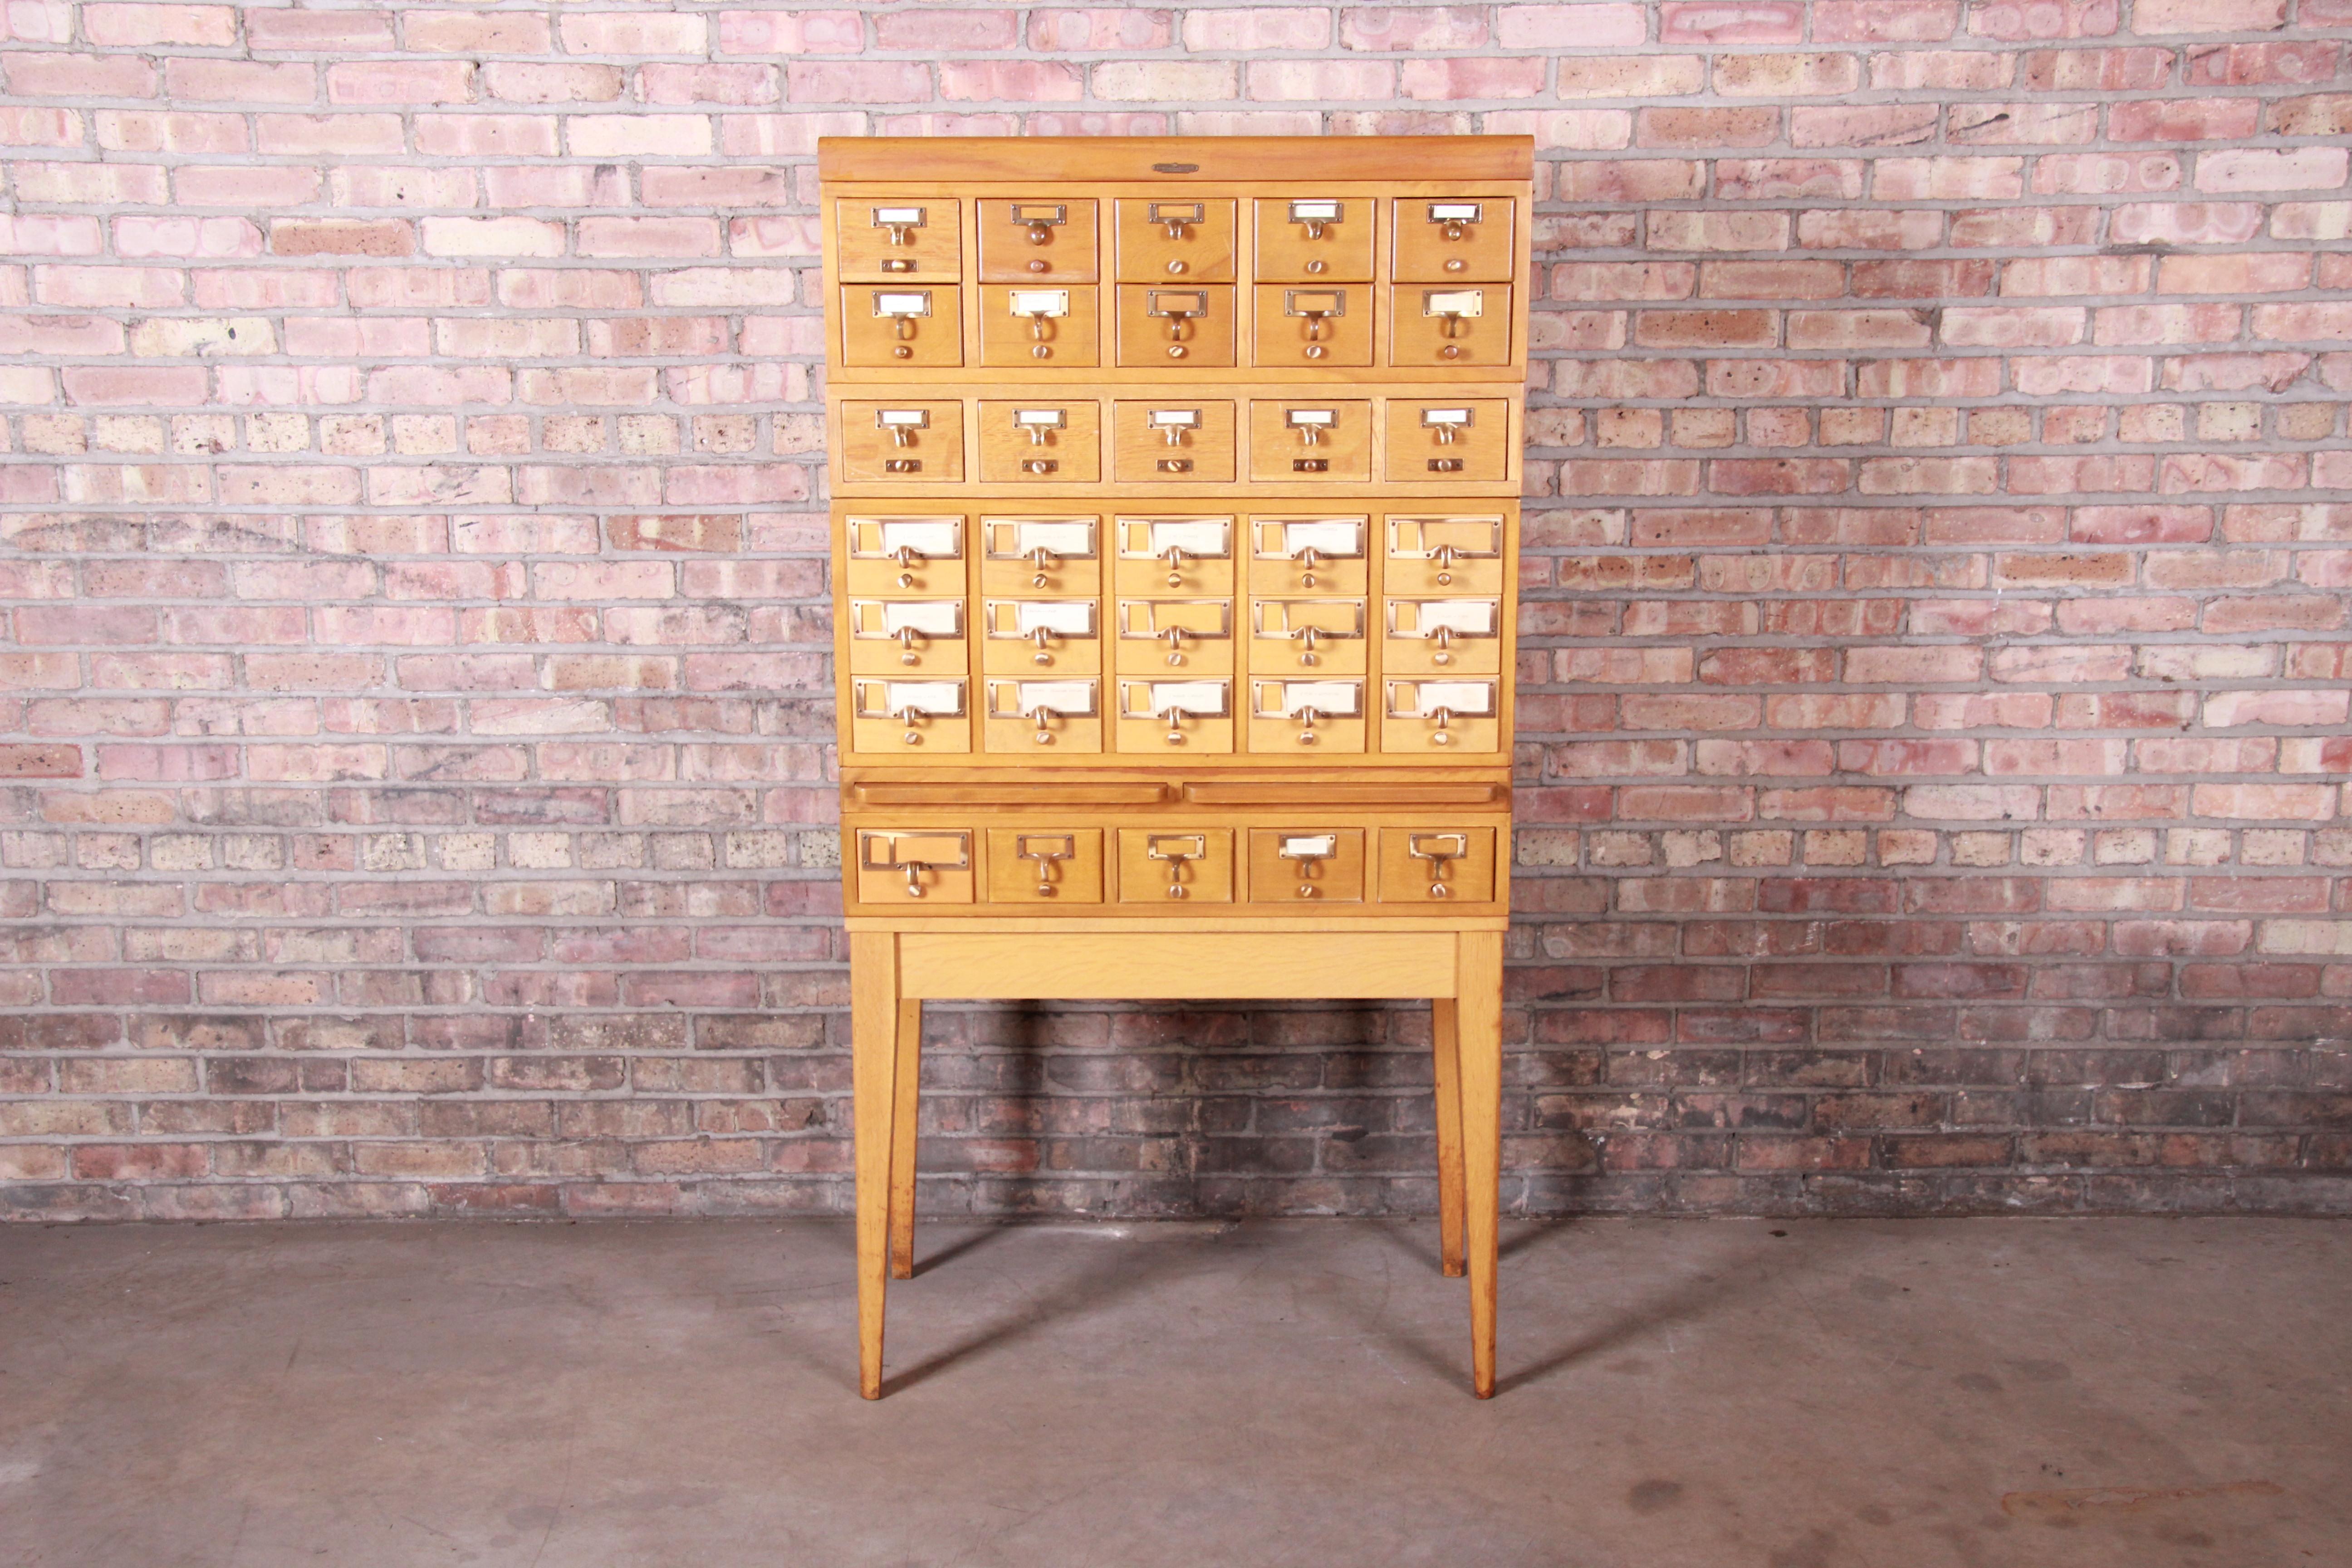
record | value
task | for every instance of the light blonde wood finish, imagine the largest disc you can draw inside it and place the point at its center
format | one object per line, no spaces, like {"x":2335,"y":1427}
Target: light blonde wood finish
{"x":929,"y":338}
{"x":1061,"y":865}
{"x":1141,"y":452}
{"x":1196,"y":251}
{"x":1197,"y":858}
{"x":1010,"y":454}
{"x":1184,"y":326}
{"x":1427,"y":251}
{"x":1340,"y":453}
{"x":870,"y":251}
{"x":931,"y":455}
{"x":1458,"y":644}
{"x":1014,"y":249}
{"x":1340,"y":253}
{"x":1306,"y":878}
{"x":1478,"y":452}
{"x":1314,"y":324}
{"x":1421,"y":334}
{"x":1009,"y":338}
{"x":960,"y":805}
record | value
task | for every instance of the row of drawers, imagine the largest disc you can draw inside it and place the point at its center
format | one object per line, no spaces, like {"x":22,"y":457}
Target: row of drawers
{"x":1302,"y":237}
{"x":1177,"y":868}
{"x":1174,"y":440}
{"x":1177,"y":327}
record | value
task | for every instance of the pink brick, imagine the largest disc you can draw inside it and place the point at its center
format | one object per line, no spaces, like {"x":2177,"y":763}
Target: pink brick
{"x":874,"y":81}
{"x":1019,"y":81}
{"x":2272,"y":169}
{"x":2158,"y":18}
{"x":1704,"y":22}
{"x":43,"y":75}
{"x":135,"y":26}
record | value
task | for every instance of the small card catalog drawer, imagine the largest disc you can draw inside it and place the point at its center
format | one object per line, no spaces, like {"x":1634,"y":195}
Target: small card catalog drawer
{"x":1180,"y":553}
{"x":1314,"y":328}
{"x":1024,"y":715}
{"x":910,"y":327}
{"x":1041,"y":554}
{"x":1321,"y":634}
{"x":1155,"y":716}
{"x":1043,"y":329}
{"x":1322,"y":440}
{"x":1288,"y":714}
{"x":1464,"y":239}
{"x":922,"y":636}
{"x":1058,"y":867}
{"x":1434,"y":636}
{"x":1318,"y":237}
{"x":1290,"y":866}
{"x":1439,"y":327}
{"x":919,"y":554}
{"x":1312,"y":554}
{"x":1421,"y":866}
{"x":1175,"y":442}
{"x":1454,"y":716}
{"x":889,"y":241}
{"x":889,"y":715}
{"x":1044,"y":442}
{"x":928,"y":867}
{"x":1464,"y":442}
{"x":901,"y":443}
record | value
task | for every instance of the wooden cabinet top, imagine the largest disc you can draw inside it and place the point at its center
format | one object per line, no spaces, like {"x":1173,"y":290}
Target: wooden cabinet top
{"x":1209,"y":159}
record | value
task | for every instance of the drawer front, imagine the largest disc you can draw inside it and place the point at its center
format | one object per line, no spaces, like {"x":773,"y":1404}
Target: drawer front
{"x":1040,"y":242}
{"x":1314,"y":712}
{"x":1043,"y":713}
{"x":1442,"y":636}
{"x":1308,"y":554}
{"x":1467,"y":440}
{"x":1174,"y":716}
{"x":1445,"y":554}
{"x":1040,"y":638}
{"x":904,"y":324}
{"x":904,"y":442}
{"x":908,"y":637}
{"x":911,"y":556}
{"x":1179,"y":239}
{"x":1173,"y":441}
{"x":913,"y":239}
{"x":1173,"y":639}
{"x":1307,"y":865}
{"x":1041,"y":554}
{"x":1306,"y":639}
{"x":1039,"y":326}
{"x":920,"y":866}
{"x":1046,"y":442}
{"x":1318,"y":440}
{"x":1434,"y":325}
{"x":1443,"y":716}
{"x":1175,"y":865}
{"x":1309,"y":326}
{"x":1048,"y":866}
{"x":1176,"y":328}
{"x":1311,"y":238}
{"x":922,"y":715}
{"x":1175,"y":554}
{"x":1437,"y":864}
{"x":1466,"y":239}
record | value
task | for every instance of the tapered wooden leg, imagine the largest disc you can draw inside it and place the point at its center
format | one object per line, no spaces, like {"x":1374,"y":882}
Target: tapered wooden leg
{"x":874,"y":1082}
{"x":1444,"y":1047}
{"x":1479,"y":1035}
{"x":903,"y":1103}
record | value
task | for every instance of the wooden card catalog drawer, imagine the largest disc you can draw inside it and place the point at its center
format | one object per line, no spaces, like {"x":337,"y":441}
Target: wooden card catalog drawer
{"x":1040,"y":638}
{"x":1314,"y":554}
{"x":1180,"y":715}
{"x":1315,"y":710}
{"x":1465,"y":440}
{"x":1310,"y":238}
{"x":1437,"y":553}
{"x":1302,"y":865}
{"x":1443,"y":239}
{"x":1445,"y":716}
{"x":1041,"y":554}
{"x":901,"y":325}
{"x":1175,"y":554}
{"x":899,"y":637}
{"x":1044,"y":441}
{"x":889,"y":715}
{"x":1444,"y":637}
{"x":914,"y":556}
{"x":1176,"y":328}
{"x":1040,"y":241}
{"x":1434,"y":865}
{"x":1443,"y":325}
{"x":900,"y":239}
{"x":1044,"y":865}
{"x":1172,"y":441}
{"x":1314,"y":326}
{"x":921,"y":867}
{"x":1058,"y":711}
{"x":1177,"y":639}
{"x":1311,"y":441}
{"x":1306,"y":637}
{"x":910,"y":442}
{"x":1039,"y":326}
{"x":1175,"y":237}
{"x":1175,"y":865}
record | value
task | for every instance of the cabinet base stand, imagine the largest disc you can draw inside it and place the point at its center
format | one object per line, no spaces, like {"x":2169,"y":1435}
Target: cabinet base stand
{"x":897,"y":965}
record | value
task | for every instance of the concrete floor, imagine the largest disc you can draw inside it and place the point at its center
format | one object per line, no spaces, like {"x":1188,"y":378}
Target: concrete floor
{"x":1710,"y":1394}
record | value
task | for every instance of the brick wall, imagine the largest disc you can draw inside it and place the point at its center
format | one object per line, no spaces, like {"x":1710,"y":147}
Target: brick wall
{"x":412,"y":694}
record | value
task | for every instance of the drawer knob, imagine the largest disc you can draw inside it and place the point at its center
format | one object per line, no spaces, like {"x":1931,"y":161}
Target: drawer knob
{"x":915,"y":869}
{"x":1444,"y":558}
{"x":1174,"y":556}
{"x":1306,"y":737}
{"x":1315,"y":267}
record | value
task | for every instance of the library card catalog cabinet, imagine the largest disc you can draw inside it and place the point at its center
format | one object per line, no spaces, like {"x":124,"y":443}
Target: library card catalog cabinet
{"x":1174,"y":528}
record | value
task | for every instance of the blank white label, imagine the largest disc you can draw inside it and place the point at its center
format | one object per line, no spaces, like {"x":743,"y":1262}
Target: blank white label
{"x":923,"y":696}
{"x":1337,"y":697}
{"x":1041,"y":301}
{"x":1453,"y":212}
{"x":1309,"y":846}
{"x":929,"y":537}
{"x":1193,"y":536}
{"x":928,"y":617}
{"x":902,"y":304}
{"x":1058,"y":617}
{"x":1315,"y":212}
{"x":1201,"y":697}
{"x":1062,"y":539}
{"x":1054,"y":696}
{"x":1445,"y":417}
{"x":1454,"y":302}
{"x":897,"y":217}
{"x":1463,"y":617}
{"x":1339,"y":536}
